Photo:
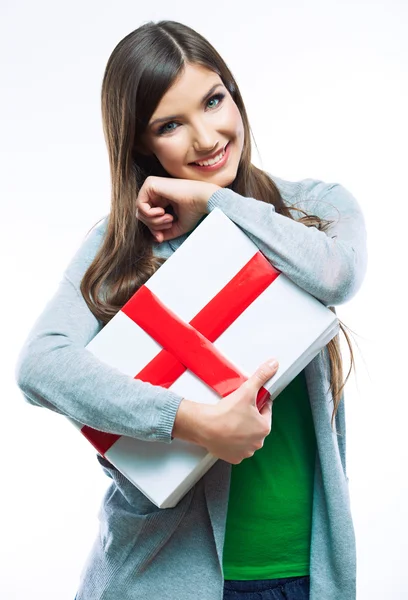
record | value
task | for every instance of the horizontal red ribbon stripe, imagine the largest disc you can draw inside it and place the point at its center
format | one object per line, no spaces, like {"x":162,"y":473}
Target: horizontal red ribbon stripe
{"x":189,"y":345}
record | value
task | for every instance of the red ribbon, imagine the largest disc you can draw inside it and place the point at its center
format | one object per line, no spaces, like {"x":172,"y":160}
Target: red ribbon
{"x":190,"y":345}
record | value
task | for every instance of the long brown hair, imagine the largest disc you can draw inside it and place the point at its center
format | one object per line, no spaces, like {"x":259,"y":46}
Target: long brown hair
{"x":141,"y":68}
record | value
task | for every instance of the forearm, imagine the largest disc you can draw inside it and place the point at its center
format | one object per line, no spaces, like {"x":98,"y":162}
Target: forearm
{"x":71,"y":381}
{"x":330,"y":266}
{"x":55,"y":370}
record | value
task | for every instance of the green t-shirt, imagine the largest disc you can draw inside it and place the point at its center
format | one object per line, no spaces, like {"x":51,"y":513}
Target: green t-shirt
{"x":270,"y":503}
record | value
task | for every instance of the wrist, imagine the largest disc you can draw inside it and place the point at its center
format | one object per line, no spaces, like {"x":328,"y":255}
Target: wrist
{"x":210,"y":188}
{"x":193,"y":422}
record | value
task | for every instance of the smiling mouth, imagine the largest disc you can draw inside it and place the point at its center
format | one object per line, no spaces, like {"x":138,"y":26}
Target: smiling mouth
{"x":211,"y":161}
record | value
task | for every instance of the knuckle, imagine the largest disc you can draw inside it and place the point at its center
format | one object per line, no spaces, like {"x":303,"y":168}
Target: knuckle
{"x":261,"y":373}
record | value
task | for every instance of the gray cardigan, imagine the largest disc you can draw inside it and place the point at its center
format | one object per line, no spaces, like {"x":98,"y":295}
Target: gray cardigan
{"x":176,"y":553}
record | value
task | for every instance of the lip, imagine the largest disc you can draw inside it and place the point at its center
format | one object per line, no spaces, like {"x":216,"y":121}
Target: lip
{"x":213,"y":155}
{"x":218,"y":165}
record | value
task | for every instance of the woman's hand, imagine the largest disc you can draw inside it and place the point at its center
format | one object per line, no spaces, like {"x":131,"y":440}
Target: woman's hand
{"x":187,"y":198}
{"x":234,"y":428}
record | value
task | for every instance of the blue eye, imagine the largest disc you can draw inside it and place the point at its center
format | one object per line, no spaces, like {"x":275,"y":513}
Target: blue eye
{"x":164,"y":128}
{"x":218,"y":97}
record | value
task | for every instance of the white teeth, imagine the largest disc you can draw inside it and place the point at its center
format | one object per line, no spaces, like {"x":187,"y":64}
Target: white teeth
{"x":211,"y":161}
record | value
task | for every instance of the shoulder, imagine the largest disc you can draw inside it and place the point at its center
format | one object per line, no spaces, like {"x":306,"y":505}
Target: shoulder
{"x":86,"y":252}
{"x":326,"y":200}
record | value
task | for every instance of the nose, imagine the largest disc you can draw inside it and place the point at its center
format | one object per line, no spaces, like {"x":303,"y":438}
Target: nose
{"x":203,"y":139}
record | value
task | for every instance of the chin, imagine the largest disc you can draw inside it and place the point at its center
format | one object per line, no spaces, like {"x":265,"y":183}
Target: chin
{"x":222,"y":179}
{"x":225,"y":179}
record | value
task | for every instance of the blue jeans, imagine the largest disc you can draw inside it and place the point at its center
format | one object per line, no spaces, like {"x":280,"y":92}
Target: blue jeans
{"x":289,"y":588}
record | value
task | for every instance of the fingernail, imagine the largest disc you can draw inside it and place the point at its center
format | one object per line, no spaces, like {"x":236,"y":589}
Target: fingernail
{"x":272,"y":363}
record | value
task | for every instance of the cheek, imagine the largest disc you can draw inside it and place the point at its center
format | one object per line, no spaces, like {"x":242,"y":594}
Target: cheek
{"x":239,"y":124}
{"x":172,"y":148}
{"x":235,"y":123}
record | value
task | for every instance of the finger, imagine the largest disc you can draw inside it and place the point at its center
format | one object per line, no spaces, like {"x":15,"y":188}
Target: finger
{"x":159,"y":221}
{"x":262,"y":374}
{"x":169,"y":233}
{"x":145,"y":210}
{"x":266,"y":410}
{"x":163,"y":233}
{"x":162,"y":227}
{"x":158,"y":236}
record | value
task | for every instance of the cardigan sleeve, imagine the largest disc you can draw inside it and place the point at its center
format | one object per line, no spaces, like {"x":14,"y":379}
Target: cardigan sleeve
{"x":55,"y":370}
{"x":329,"y":265}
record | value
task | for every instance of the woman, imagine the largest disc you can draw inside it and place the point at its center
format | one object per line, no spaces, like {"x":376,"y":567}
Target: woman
{"x":277,"y":524}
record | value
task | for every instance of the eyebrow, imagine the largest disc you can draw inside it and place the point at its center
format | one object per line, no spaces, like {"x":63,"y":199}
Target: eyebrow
{"x":173,"y":117}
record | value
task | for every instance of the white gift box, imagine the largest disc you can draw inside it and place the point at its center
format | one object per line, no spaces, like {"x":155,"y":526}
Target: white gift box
{"x":202,"y":324}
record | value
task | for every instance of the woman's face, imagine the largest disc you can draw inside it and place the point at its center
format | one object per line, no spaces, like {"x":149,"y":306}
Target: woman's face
{"x":194,"y":120}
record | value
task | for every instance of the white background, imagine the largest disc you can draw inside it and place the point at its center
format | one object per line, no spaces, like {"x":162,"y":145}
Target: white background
{"x":325,"y":85}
